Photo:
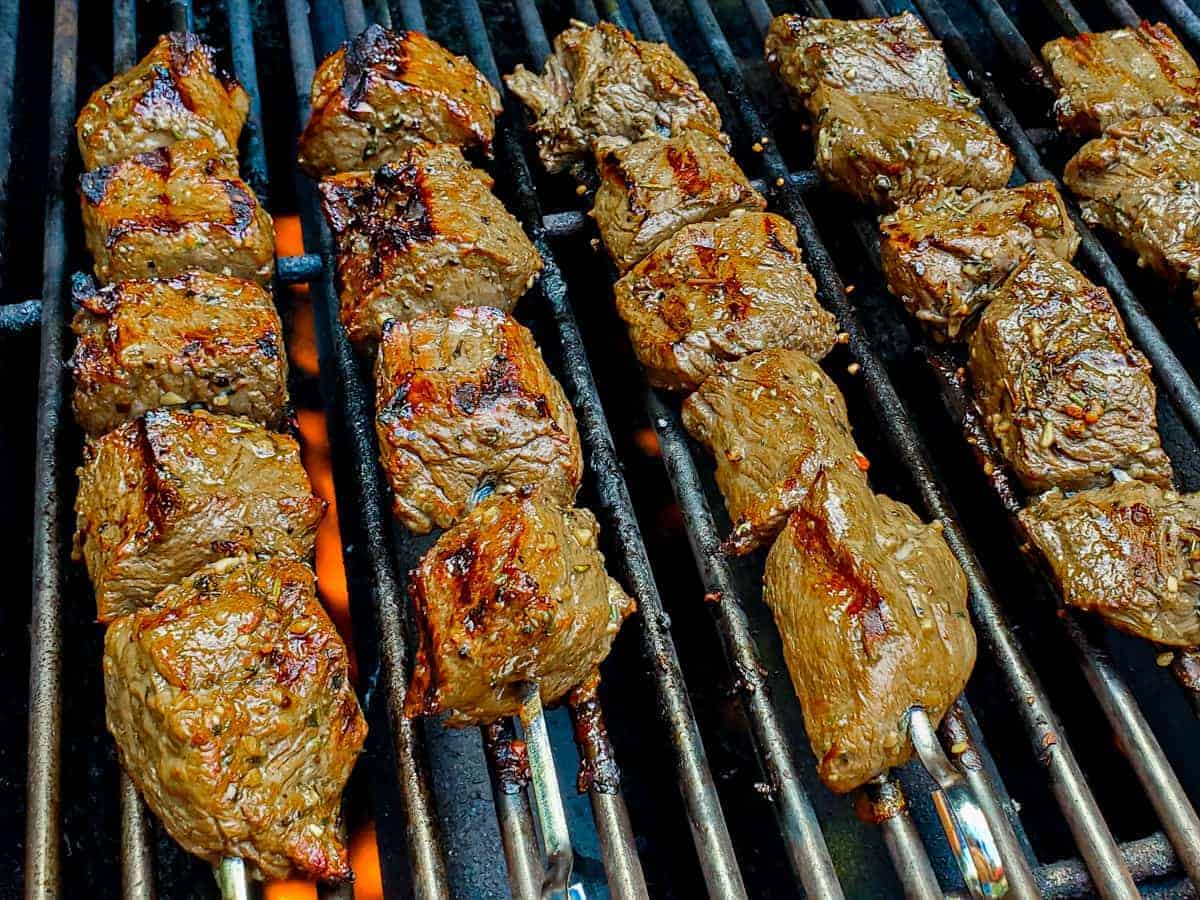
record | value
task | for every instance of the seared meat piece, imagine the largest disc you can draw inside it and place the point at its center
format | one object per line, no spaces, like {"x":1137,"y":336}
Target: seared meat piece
{"x":1130,"y":552}
{"x":774,"y":421}
{"x":383,"y":92}
{"x":169,"y":492}
{"x":181,"y":207}
{"x":231,"y":705}
{"x":425,"y":236}
{"x":602,"y":85}
{"x":175,"y":93}
{"x":718,"y":291}
{"x":516,"y":591}
{"x":465,"y":404}
{"x":945,"y":254}
{"x":1141,"y":181}
{"x":651,"y":189}
{"x":1109,"y":77}
{"x":195,"y":338}
{"x":896,"y":55}
{"x":872,"y":609}
{"x":886,"y":149}
{"x":1064,"y":393}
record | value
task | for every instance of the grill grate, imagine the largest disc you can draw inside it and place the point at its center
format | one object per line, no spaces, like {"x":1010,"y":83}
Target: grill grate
{"x":1105,"y":866}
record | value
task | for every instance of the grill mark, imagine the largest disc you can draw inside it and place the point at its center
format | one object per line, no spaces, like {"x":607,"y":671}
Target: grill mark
{"x":241,"y":206}
{"x":686,"y":166}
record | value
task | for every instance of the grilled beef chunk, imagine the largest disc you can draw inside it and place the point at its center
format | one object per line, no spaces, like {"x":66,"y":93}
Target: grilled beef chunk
{"x":718,"y":291}
{"x":384,"y":92}
{"x":872,"y":609}
{"x":425,"y":236}
{"x":1130,"y":552}
{"x":192,"y":339}
{"x":886,"y":149}
{"x":945,"y":254}
{"x":651,"y":189}
{"x":601,"y":84}
{"x":167,"y":493}
{"x":180,"y":207}
{"x":1141,"y":181}
{"x":774,"y":421}
{"x":231,"y":705}
{"x":1109,"y":77}
{"x":1065,"y":394}
{"x":516,"y":591}
{"x":465,"y":404}
{"x":895,"y":55}
{"x":175,"y":93}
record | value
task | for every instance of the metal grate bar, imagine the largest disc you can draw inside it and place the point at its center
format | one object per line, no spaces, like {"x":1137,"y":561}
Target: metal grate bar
{"x":525,"y":869}
{"x":1185,"y":18}
{"x":1067,"y":780}
{"x":1010,"y":38}
{"x":412,"y":16}
{"x":42,"y":825}
{"x":124,"y":34}
{"x":254,"y":164}
{"x":342,"y":382}
{"x":16,"y":318}
{"x":182,"y":16}
{"x":137,"y":855}
{"x":1067,"y":17}
{"x":10,"y":20}
{"x":1123,"y":12}
{"x":707,"y":821}
{"x":355,"y":15}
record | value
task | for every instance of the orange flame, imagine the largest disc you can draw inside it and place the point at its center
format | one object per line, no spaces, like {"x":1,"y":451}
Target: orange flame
{"x":331,"y":572}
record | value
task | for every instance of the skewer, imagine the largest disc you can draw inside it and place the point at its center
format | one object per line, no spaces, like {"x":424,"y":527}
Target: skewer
{"x":966,"y":828}
{"x":232,"y":879}
{"x":550,"y":811}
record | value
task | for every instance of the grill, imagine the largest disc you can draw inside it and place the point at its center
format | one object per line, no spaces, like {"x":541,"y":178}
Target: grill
{"x":423,"y":783}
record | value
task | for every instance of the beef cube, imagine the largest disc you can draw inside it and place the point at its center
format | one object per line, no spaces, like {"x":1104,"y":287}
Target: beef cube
{"x":165,"y":494}
{"x":465,"y":406}
{"x":515,"y":592}
{"x":1064,"y":393}
{"x":872,"y":609}
{"x":175,"y":93}
{"x":196,"y":338}
{"x":231,"y":705}
{"x":180,"y":207}
{"x":1130,"y":552}
{"x":425,"y":236}
{"x":1109,"y":77}
{"x":774,"y":421}
{"x":945,"y":254}
{"x":1141,"y":181}
{"x":718,"y":291}
{"x":384,"y":92}
{"x":886,"y":149}
{"x":896,"y":55}
{"x":651,"y":189}
{"x":602,"y":85}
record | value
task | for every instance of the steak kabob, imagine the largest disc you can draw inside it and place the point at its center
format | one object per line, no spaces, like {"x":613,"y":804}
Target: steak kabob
{"x":1135,"y":94}
{"x":227,"y":686}
{"x":869,"y":600}
{"x":513,"y":606}
{"x":1067,"y":400}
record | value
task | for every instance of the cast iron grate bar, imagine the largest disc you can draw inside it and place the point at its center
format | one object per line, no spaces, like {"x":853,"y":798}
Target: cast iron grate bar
{"x":42,"y":826}
{"x":10,"y":13}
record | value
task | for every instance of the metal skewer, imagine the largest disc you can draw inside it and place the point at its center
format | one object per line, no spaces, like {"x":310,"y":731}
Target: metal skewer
{"x":551,"y":814}
{"x":966,"y":828}
{"x":232,"y":879}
